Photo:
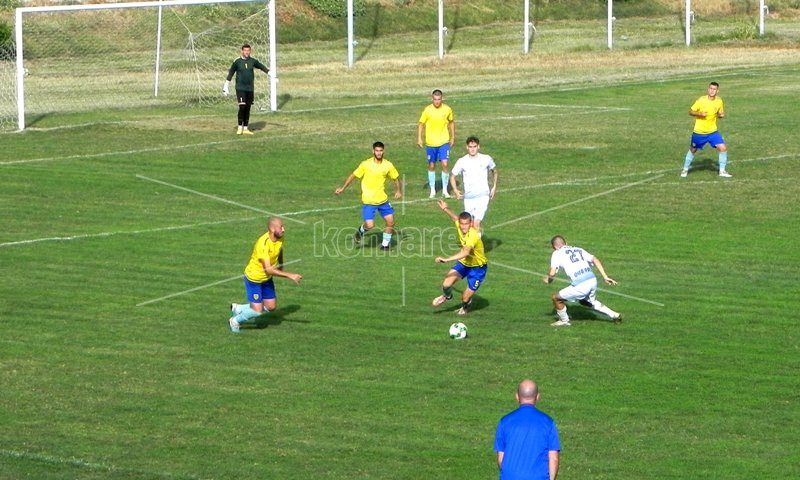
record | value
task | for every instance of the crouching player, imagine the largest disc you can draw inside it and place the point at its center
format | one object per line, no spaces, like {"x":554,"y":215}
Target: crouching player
{"x":265,"y":262}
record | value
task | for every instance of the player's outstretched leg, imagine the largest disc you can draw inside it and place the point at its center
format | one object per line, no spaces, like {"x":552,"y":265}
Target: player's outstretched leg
{"x":596,"y":305}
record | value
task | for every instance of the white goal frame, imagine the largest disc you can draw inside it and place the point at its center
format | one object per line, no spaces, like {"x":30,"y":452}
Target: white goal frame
{"x":20,"y":60}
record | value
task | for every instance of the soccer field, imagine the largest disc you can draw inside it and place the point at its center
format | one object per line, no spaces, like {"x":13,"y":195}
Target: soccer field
{"x":126,"y":234}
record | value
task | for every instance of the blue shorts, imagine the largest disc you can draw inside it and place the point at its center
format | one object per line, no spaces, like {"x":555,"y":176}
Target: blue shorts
{"x":436,"y":154}
{"x":258,"y":292}
{"x":368,"y":211}
{"x":474,"y":275}
{"x":699,"y":140}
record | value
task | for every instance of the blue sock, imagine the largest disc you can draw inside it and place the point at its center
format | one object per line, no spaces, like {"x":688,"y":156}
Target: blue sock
{"x":688,"y":161}
{"x":723,"y":161}
{"x":432,"y":180}
{"x":246,"y":314}
{"x":387,"y":239}
{"x":445,"y":181}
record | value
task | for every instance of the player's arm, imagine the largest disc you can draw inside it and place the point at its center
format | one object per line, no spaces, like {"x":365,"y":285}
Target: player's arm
{"x":275,"y":271}
{"x":493,"y":191}
{"x":420,"y":130}
{"x":262,"y":67}
{"x":553,"y":458}
{"x":463,"y":253}
{"x":599,"y":265}
{"x":226,"y":85}
{"x":696,"y":113}
{"x":550,"y":275}
{"x":451,"y":127}
{"x":721,"y":113}
{"x":500,"y":458}
{"x":454,"y":185}
{"x":398,"y":191}
{"x":347,"y":182}
{"x":446,"y":210}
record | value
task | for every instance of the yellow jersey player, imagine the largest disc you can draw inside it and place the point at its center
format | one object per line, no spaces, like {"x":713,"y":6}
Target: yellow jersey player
{"x":373,"y":173}
{"x":438,"y":124}
{"x":265,"y":262}
{"x":470,"y":261}
{"x":706,"y":110}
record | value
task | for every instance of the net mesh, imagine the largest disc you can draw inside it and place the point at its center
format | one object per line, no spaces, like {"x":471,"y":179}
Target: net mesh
{"x":82,"y":61}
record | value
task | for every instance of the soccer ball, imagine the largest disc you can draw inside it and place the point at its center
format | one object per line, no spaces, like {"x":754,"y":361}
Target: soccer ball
{"x":458,"y":331}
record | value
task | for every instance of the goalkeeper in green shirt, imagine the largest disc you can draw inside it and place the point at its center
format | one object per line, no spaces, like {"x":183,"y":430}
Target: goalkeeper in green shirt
{"x":244,"y":69}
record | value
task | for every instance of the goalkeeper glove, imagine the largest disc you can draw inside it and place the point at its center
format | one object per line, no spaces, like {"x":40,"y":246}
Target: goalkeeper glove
{"x":225,"y":90}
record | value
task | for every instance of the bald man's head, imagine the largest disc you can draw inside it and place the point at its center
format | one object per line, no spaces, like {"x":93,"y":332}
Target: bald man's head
{"x":275,"y":227}
{"x":527,"y":392}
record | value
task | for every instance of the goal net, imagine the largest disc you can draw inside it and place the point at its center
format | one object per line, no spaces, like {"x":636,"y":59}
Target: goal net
{"x":131,"y":55}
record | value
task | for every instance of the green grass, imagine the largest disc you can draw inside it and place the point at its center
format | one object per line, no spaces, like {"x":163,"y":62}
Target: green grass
{"x":354,"y":376}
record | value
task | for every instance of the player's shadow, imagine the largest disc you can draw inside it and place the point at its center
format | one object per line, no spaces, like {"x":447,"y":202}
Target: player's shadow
{"x":260,"y":126}
{"x":478,"y":303}
{"x":277,"y":317}
{"x":490,"y":244}
{"x":283,"y":99}
{"x":704,"y":164}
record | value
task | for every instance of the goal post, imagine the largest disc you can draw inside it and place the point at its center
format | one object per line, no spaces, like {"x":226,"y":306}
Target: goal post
{"x":132,"y":54}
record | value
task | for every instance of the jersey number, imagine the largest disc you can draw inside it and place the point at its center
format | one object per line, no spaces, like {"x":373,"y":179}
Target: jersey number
{"x":575,"y":256}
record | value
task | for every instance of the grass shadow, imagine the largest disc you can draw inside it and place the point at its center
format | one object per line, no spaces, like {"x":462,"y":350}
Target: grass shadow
{"x":456,"y":25}
{"x":283,"y":99}
{"x":377,"y":10}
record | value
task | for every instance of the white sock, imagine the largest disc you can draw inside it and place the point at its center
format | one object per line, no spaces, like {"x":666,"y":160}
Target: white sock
{"x":562,"y":314}
{"x":605,"y":310}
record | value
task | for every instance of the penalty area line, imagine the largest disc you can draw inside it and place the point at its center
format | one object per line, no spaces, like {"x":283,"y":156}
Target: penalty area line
{"x":201,"y":287}
{"x":531,"y":272}
{"x":219,"y":199}
{"x":525,"y":217}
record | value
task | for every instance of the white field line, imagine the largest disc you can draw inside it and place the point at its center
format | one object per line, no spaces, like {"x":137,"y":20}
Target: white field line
{"x":220,"y":199}
{"x":122,"y":232}
{"x":585,"y":181}
{"x":524,"y":217}
{"x":120,"y":152}
{"x":76,"y":462}
{"x":201,"y":287}
{"x":382,"y":128}
{"x":510,"y":267}
{"x":465,"y":97}
{"x":555,"y":105}
{"x":403,"y":281}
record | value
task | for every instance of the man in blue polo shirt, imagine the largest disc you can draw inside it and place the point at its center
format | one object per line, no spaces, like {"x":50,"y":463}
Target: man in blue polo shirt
{"x":526,"y":441}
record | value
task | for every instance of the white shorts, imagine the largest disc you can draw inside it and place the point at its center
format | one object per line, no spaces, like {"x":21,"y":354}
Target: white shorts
{"x":584,"y":290}
{"x":477,"y":206}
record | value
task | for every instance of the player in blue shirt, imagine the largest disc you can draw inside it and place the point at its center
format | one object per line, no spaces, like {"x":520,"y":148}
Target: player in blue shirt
{"x":526,"y":441}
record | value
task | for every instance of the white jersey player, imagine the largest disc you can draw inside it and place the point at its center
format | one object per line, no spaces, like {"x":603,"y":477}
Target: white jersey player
{"x":475,"y":168}
{"x":577,"y":263}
